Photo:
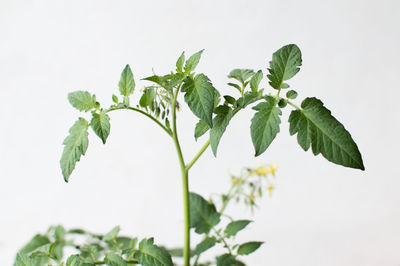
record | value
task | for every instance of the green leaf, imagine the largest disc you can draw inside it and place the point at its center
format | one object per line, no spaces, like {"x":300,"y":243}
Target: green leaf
{"x":204,"y":245}
{"x":90,"y":252}
{"x":112,"y":259}
{"x":203,"y":215}
{"x":126,"y":83}
{"x":228,"y":260}
{"x":75,"y":260}
{"x":115,"y":98}
{"x":23,"y":260}
{"x":291,"y":94}
{"x":193,"y":61}
{"x":235,"y":226}
{"x":255,"y":80}
{"x":316,"y":127}
{"x":39,"y":258}
{"x":111,"y":234}
{"x":199,"y":95}
{"x":59,"y":233}
{"x":147,"y":97}
{"x":235,"y":86}
{"x":152,"y":255}
{"x":75,"y":145}
{"x":82,"y":100}
{"x":56,"y":250}
{"x":249,"y":247}
{"x":265,"y":124}
{"x":284,"y":65}
{"x":220,"y":122}
{"x":241,"y":75}
{"x":249,"y":98}
{"x":179,"y":62}
{"x":200,"y":129}
{"x":36,"y":242}
{"x":229,"y":99}
{"x":100,"y":124}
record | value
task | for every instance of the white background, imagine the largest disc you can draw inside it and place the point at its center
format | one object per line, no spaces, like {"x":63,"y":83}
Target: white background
{"x":320,"y":213}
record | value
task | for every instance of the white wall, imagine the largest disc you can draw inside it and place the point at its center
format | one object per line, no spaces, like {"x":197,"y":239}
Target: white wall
{"x":320,"y":213}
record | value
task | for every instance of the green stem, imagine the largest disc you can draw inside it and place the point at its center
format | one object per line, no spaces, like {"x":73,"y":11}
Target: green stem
{"x":185,"y":183}
{"x":202,"y":150}
{"x":144,"y":113}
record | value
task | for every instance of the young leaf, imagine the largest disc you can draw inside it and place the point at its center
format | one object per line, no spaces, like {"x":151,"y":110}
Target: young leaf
{"x":152,"y":255}
{"x":204,"y":245}
{"x":228,"y":260}
{"x":316,"y":127}
{"x":199,"y":95}
{"x":200,"y":129}
{"x":235,"y":86}
{"x":265,"y":124}
{"x":112,"y":259}
{"x":203,"y":215}
{"x":115,"y":98}
{"x":220,"y":122}
{"x":229,"y":99}
{"x":249,"y":98}
{"x":234,"y":227}
{"x":291,"y":94}
{"x":241,"y":75}
{"x":193,"y":61}
{"x":126,"y":83}
{"x":111,"y":234}
{"x":284,"y":65}
{"x":255,"y":80}
{"x":75,"y":260}
{"x":249,"y":247}
{"x":75,"y":145}
{"x":100,"y":124}
{"x":179,"y":62}
{"x":82,"y":100}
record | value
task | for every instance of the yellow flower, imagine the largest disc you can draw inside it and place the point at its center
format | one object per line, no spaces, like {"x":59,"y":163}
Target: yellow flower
{"x":272,"y":169}
{"x":262,"y":171}
{"x":270,"y":188}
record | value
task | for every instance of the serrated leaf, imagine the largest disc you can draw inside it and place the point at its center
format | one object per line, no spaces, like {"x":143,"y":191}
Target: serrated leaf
{"x":152,"y":255}
{"x":235,"y":226}
{"x":265,"y":124}
{"x":111,"y":234}
{"x":100,"y":124}
{"x":228,"y":260}
{"x":284,"y":65}
{"x":179,"y":62}
{"x":204,"y":245}
{"x":203,"y":215}
{"x":82,"y":100}
{"x":200,"y":129}
{"x":249,"y":98}
{"x":249,"y":247}
{"x":199,"y":95}
{"x":193,"y":61}
{"x":220,"y":122}
{"x":36,"y":242}
{"x":75,"y":145}
{"x":316,"y":127}
{"x":241,"y":75}
{"x":126,"y":83}
{"x":255,"y":80}
{"x":22,"y":260}
{"x":112,"y":259}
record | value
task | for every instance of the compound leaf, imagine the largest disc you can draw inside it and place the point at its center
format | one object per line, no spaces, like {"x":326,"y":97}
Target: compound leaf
{"x":284,"y":65}
{"x":265,"y":124}
{"x":220,"y":122}
{"x":100,"y":124}
{"x":316,"y":127}
{"x":152,"y":255}
{"x":75,"y":145}
{"x":199,"y":95}
{"x":126,"y":83}
{"x":203,"y":215}
{"x":82,"y":100}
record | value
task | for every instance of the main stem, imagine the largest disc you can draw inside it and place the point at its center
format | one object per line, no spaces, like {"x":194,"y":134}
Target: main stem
{"x":185,"y":183}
